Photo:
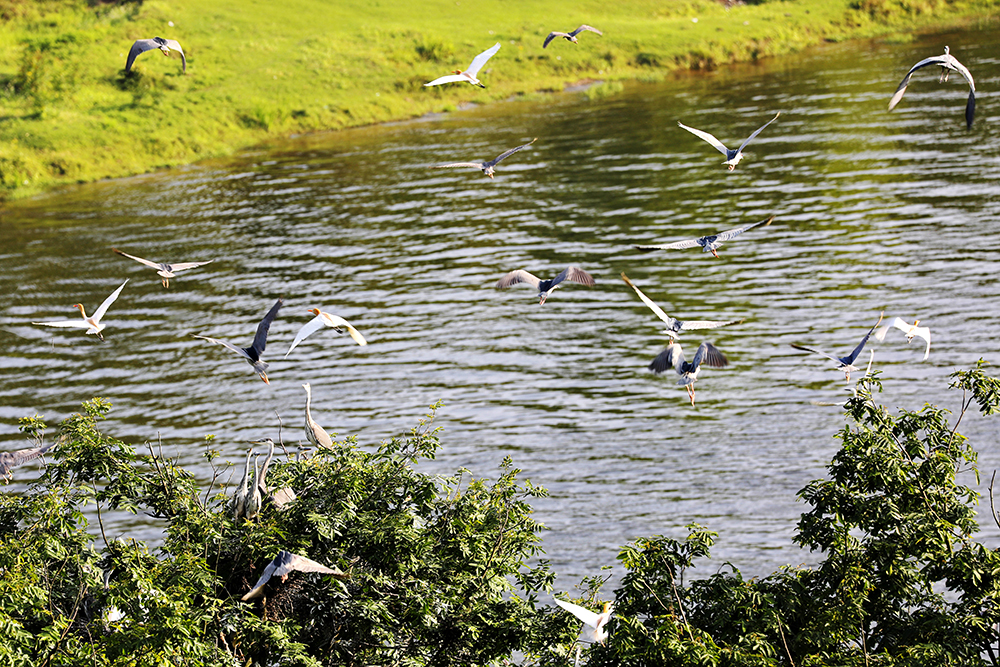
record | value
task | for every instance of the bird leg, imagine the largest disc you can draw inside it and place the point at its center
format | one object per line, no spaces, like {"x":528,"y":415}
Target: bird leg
{"x":944,"y":75}
{"x":714,"y":254}
{"x":690,"y":389}
{"x":165,"y":281}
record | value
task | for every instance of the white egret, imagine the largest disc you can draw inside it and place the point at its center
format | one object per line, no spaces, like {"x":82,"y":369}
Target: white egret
{"x":338,"y":324}
{"x":92,"y":324}
{"x":733,"y":157}
{"x":594,"y":620}
{"x":470,"y":74}
{"x":910,"y":331}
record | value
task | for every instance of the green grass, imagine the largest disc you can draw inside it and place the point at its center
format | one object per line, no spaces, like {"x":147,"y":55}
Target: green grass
{"x":259,"y":69}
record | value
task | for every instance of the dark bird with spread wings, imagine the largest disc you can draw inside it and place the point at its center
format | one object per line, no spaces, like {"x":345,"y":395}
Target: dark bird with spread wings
{"x":673,"y":357}
{"x":487,"y":167}
{"x":845,"y":364}
{"x":284,"y":564}
{"x":948,"y":64}
{"x":733,"y":157}
{"x":252,"y":353}
{"x":546,"y":287}
{"x":164,"y":45}
{"x":571,"y":36}
{"x":710,"y":243}
{"x":165,"y":271}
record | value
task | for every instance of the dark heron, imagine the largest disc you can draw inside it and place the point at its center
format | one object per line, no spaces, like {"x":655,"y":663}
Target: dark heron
{"x":93,"y":323}
{"x":710,"y":243}
{"x":675,"y":326}
{"x":164,"y":45}
{"x":571,"y":37}
{"x":844,"y":363}
{"x":733,"y":157}
{"x":948,"y":64}
{"x":468,"y":75}
{"x":673,"y":357}
{"x":546,"y":287}
{"x":284,"y":564}
{"x":487,"y":167}
{"x":165,"y":271}
{"x":252,"y":353}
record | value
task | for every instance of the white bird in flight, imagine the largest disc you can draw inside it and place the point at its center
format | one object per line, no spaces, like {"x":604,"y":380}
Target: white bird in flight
{"x":164,"y":45}
{"x":845,"y":364}
{"x":284,"y":564}
{"x":92,"y":324}
{"x":675,"y":326}
{"x":948,"y":64}
{"x":909,"y":330}
{"x":338,"y":324}
{"x":733,"y":157}
{"x":710,"y":243}
{"x":487,"y":167}
{"x":595,"y":621}
{"x":673,"y":357}
{"x":546,"y":287}
{"x":470,"y":74}
{"x":164,"y":270}
{"x":571,"y":37}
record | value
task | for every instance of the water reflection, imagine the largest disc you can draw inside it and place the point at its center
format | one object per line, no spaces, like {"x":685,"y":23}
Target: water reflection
{"x":874,"y":211}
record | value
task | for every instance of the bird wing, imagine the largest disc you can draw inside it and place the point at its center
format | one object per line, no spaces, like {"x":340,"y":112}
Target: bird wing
{"x":449,"y":78}
{"x":585,"y":27}
{"x":819,"y":352}
{"x":303,"y":564}
{"x":925,"y":333}
{"x":707,"y":137}
{"x":880,"y":334}
{"x":139,"y":47}
{"x":678,"y":245}
{"x":237,"y":350}
{"x":103,"y":308}
{"x":672,"y":356}
{"x":690,"y":325}
{"x":515,"y":277}
{"x":308,"y":329}
{"x":335,"y":322}
{"x":508,"y":153}
{"x":184,"y":266}
{"x":750,"y":138}
{"x":585,"y":615}
{"x":260,"y":338}
{"x":672,"y":324}
{"x":474,"y":165}
{"x":901,"y":90}
{"x":10,"y":460}
{"x":553,"y":35}
{"x":733,"y":233}
{"x":76,"y":324}
{"x":480,"y":60}
{"x":174,"y":45}
{"x":258,"y":588}
{"x":152,"y":265}
{"x":709,"y":355}
{"x":849,"y":359}
{"x":576,"y":275}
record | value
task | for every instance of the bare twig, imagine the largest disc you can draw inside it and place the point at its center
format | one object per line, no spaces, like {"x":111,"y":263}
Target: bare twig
{"x":993,"y":510}
{"x":782,"y":632}
{"x":280,"y":441}
{"x":680,"y":605}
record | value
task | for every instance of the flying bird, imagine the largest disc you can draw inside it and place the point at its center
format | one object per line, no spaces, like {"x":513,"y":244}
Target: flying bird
{"x":11,"y":460}
{"x":909,"y":330}
{"x":948,"y":64}
{"x":470,"y":74}
{"x":252,"y":353}
{"x":570,"y":36}
{"x":283,"y":565}
{"x":595,"y":621}
{"x":675,"y":326}
{"x":92,"y":324}
{"x":546,"y":287}
{"x":487,"y":167}
{"x":733,"y":157}
{"x":164,"y":45}
{"x":338,"y":324}
{"x":710,"y":243}
{"x":314,"y":432}
{"x":845,"y":363}
{"x":673,"y":357}
{"x":165,"y":271}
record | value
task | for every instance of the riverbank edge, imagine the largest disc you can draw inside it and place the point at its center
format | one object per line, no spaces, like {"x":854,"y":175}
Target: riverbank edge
{"x":702,"y":55}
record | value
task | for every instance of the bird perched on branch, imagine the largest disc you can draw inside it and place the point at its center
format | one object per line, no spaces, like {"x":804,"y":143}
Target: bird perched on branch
{"x":570,"y":37}
{"x":92,"y":324}
{"x":469,"y":75}
{"x":948,"y":64}
{"x":845,"y":364}
{"x":546,"y":287}
{"x":710,"y":243}
{"x":252,"y":353}
{"x":733,"y":157}
{"x":165,"y":271}
{"x":284,"y":564}
{"x":487,"y":167}
{"x":164,"y":45}
{"x":673,"y":357}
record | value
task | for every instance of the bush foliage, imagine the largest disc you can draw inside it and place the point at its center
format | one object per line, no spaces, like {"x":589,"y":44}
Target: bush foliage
{"x":439,"y":567}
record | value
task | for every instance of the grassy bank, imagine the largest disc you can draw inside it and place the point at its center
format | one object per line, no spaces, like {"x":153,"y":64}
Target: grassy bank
{"x":258,"y":69}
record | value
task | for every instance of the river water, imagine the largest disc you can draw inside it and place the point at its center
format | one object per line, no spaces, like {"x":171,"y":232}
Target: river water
{"x":874,"y":211}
